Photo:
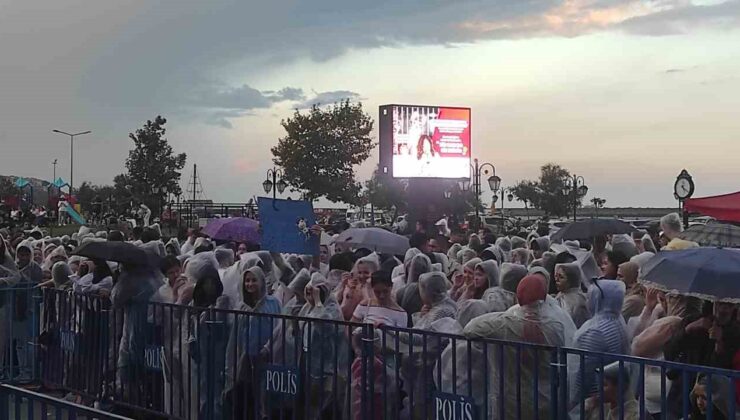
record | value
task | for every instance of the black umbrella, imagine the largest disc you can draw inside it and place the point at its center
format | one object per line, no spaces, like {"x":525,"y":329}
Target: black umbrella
{"x":122,"y":252}
{"x":589,"y":228}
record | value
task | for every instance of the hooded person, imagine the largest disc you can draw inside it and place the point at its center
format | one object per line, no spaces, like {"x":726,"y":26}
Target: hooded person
{"x":453,"y":252}
{"x":60,"y":274}
{"x":625,"y":245}
{"x":568,"y":279}
{"x":325,"y":348}
{"x":443,"y":261}
{"x":517,"y":242}
{"x":494,"y":252}
{"x":503,"y":297}
{"x":409,"y":297}
{"x":466,"y":254}
{"x":504,"y":243}
{"x":648,"y":245}
{"x":619,"y":386}
{"x":98,"y":280}
{"x":539,"y":246}
{"x":605,"y":332}
{"x":436,"y":302}
{"x":399,"y":273}
{"x":225,"y":258}
{"x":54,"y":256}
{"x":634,"y":299}
{"x":172,"y":247}
{"x":532,"y":321}
{"x":486,"y":275}
{"x":521,"y":256}
{"x":29,"y":270}
{"x":554,"y":306}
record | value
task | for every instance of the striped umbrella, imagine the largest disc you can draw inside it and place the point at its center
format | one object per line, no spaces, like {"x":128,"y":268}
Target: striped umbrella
{"x":714,"y":234}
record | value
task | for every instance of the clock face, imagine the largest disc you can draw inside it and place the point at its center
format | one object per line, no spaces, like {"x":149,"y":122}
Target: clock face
{"x":683,"y":188}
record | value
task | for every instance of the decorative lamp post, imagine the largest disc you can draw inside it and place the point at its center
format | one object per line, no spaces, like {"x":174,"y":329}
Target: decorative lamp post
{"x":493,"y":182}
{"x":576,"y":188}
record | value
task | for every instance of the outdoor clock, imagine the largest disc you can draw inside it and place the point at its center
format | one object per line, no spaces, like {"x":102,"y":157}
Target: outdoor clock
{"x":684,"y":186}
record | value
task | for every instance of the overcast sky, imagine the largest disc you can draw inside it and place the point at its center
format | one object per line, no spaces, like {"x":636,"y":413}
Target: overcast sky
{"x":623,"y":92}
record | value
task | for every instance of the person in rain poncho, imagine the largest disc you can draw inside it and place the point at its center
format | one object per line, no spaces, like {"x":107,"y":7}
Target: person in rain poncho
{"x":504,"y":243}
{"x":568,"y":279}
{"x":9,"y":277}
{"x":249,"y":333}
{"x":517,"y":242}
{"x":325,"y":349}
{"x":466,"y":254}
{"x":485,"y":276}
{"x":521,"y":256}
{"x":501,"y":298}
{"x":29,"y":270}
{"x":409,"y":297}
{"x":131,"y":293}
{"x":463,"y":278}
{"x":438,"y":314}
{"x":60,"y":275}
{"x":172,"y":247}
{"x":400,"y":273}
{"x":539,"y":246}
{"x":532,"y":321}
{"x":381,"y":309}
{"x":225,"y":258}
{"x":145,"y":214}
{"x":53,"y":256}
{"x":605,"y":332}
{"x":554,"y":306}
{"x":99,"y":280}
{"x":634,"y":299}
{"x":619,"y":401}
{"x":466,"y":359}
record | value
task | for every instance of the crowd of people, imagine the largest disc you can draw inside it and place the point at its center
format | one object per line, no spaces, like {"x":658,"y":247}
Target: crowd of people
{"x":584,"y":295}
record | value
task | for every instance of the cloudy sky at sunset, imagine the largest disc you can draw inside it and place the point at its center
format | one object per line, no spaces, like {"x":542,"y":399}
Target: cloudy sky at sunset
{"x":623,"y":92}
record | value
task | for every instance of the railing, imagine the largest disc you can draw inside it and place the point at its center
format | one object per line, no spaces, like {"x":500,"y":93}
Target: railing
{"x":189,"y":363}
{"x":18,"y":403}
{"x":19,"y":327}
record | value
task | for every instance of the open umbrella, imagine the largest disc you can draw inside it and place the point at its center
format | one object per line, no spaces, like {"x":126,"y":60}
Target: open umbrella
{"x":707,"y":273}
{"x":375,"y":239}
{"x":237,"y":229}
{"x":589,"y":228}
{"x":714,"y":234}
{"x":122,"y":252}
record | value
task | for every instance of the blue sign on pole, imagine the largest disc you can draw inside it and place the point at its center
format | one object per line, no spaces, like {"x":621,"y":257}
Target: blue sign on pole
{"x":453,"y":407}
{"x":68,"y":340}
{"x":153,"y":358}
{"x":285,"y":226}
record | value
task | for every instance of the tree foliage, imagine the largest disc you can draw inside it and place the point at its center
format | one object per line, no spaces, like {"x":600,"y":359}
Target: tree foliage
{"x":321,"y":149}
{"x":546,"y":193}
{"x":385,"y":192}
{"x":152,"y":163}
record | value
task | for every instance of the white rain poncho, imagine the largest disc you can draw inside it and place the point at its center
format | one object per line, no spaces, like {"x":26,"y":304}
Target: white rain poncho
{"x":234,"y":276}
{"x":325,"y":347}
{"x":465,"y":255}
{"x":443,"y":261}
{"x":565,"y":319}
{"x":433,"y":290}
{"x":605,"y":332}
{"x":503,"y":297}
{"x":521,"y":256}
{"x":31,"y":272}
{"x":399,"y":272}
{"x":453,"y":252}
{"x":283,"y":342}
{"x":408,"y":297}
{"x":172,"y":247}
{"x":585,"y":259}
{"x":56,"y":255}
{"x":572,"y":300}
{"x":533,"y":322}
{"x":493,"y":279}
{"x":471,"y":309}
{"x":504,"y":244}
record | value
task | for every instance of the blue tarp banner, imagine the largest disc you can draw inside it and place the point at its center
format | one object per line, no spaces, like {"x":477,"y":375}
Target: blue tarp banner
{"x":285,"y":226}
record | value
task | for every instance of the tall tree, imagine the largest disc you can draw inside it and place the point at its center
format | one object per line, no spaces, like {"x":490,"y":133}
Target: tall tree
{"x":546,"y":193}
{"x":152,"y":164}
{"x":385,"y":192}
{"x":321,"y":149}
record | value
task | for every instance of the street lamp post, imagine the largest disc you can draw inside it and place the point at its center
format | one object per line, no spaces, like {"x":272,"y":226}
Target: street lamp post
{"x":575,"y":186}
{"x":275,"y":183}
{"x":71,"y":154}
{"x":493,"y":182}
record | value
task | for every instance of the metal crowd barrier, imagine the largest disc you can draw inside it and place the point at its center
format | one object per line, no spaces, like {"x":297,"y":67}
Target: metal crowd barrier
{"x":19,"y":327}
{"x":18,"y":403}
{"x":191,"y":363}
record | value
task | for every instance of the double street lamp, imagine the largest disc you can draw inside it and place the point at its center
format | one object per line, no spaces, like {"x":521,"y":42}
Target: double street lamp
{"x":71,"y":154}
{"x":494,"y":182}
{"x":158,"y":192}
{"x":274,"y":182}
{"x":575,"y":188}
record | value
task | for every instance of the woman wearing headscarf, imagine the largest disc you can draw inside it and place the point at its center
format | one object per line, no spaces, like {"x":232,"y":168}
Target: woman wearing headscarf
{"x":568,"y":279}
{"x":501,"y":298}
{"x":634,"y":299}
{"x":409,"y":297}
{"x":485,"y":275}
{"x":532,"y":321}
{"x":249,"y":333}
{"x":325,"y":349}
{"x":605,"y":332}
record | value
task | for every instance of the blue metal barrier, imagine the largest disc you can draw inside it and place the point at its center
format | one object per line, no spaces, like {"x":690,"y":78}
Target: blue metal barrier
{"x":19,"y":328}
{"x":18,"y":403}
{"x":182,"y":362}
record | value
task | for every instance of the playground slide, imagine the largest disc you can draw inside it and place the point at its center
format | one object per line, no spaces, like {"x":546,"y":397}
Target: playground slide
{"x":74,"y":215}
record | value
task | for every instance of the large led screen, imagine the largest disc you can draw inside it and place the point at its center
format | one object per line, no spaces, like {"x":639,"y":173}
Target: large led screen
{"x":428,"y":141}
